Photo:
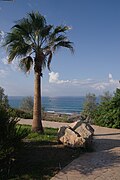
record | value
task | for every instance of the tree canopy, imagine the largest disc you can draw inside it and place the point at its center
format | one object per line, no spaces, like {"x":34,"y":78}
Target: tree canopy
{"x":33,"y":37}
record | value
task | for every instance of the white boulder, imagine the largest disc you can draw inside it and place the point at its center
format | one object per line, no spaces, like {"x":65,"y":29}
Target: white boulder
{"x":76,"y":134}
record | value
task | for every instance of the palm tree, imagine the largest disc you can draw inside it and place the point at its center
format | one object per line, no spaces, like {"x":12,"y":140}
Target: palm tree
{"x":33,"y":43}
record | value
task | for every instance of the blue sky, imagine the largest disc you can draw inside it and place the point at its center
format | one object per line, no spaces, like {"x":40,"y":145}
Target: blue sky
{"x":95,"y":65}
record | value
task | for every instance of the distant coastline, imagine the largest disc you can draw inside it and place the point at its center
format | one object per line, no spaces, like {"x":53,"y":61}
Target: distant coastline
{"x":63,"y":104}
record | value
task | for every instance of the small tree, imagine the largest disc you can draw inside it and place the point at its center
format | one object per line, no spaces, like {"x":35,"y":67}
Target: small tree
{"x":3,"y":98}
{"x":27,"y":104}
{"x":89,"y":107}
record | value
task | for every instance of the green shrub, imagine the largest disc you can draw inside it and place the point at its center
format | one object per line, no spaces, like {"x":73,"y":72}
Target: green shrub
{"x":10,"y":141}
{"x":20,"y":113}
{"x":108,"y":112}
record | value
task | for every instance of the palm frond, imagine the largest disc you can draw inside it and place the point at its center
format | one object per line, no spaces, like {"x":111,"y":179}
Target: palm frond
{"x":57,"y":31}
{"x":24,"y":29}
{"x":18,"y":49}
{"x":37,"y":20}
{"x":17,"y":45}
{"x":32,"y":35}
{"x":26,"y":63}
{"x":49,"y":60}
{"x":61,"y":38}
{"x":60,"y":29}
{"x":10,"y":37}
{"x":66,"y":44}
{"x":46,"y":31}
{"x":44,"y":63}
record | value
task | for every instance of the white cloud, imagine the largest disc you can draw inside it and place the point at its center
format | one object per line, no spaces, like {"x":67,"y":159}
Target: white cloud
{"x":3,"y":73}
{"x":110,"y":78}
{"x":88,"y":85}
{"x":84,"y":82}
{"x":99,"y":86}
{"x":111,"y":84}
{"x":5,"y":60}
{"x":13,"y":65}
{"x":54,"y":78}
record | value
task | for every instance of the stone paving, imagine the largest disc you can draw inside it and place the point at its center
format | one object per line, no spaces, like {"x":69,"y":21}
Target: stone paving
{"x":102,"y":164}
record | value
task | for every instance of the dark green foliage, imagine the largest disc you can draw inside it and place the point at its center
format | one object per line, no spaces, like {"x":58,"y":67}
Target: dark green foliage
{"x":20,"y":113}
{"x":3,"y":98}
{"x":106,"y":96}
{"x":89,"y":108}
{"x":10,"y":141}
{"x":108,"y":112}
{"x":23,"y":113}
{"x":32,"y":35}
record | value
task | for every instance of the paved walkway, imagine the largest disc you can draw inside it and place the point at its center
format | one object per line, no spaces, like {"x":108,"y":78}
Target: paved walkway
{"x":103,"y":164}
{"x":45,"y":123}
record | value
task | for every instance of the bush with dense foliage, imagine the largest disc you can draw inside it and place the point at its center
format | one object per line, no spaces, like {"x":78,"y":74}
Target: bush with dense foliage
{"x":108,"y":112}
{"x":21,"y":113}
{"x":10,"y":140}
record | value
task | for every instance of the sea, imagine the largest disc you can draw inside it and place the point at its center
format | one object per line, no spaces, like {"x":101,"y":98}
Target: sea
{"x":65,"y":105}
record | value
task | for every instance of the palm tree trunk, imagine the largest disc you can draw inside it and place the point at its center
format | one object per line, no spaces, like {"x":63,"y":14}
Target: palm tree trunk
{"x":37,"y":119}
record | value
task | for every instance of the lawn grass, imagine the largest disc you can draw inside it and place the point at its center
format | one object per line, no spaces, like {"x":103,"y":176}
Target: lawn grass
{"x":49,"y":136}
{"x":42,"y":156}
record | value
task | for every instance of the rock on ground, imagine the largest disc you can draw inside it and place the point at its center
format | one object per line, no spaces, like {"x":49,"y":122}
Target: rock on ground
{"x":76,"y":134}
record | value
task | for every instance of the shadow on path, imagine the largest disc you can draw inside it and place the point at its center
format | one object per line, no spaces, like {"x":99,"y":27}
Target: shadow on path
{"x":103,"y":163}
{"x":104,"y":158}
